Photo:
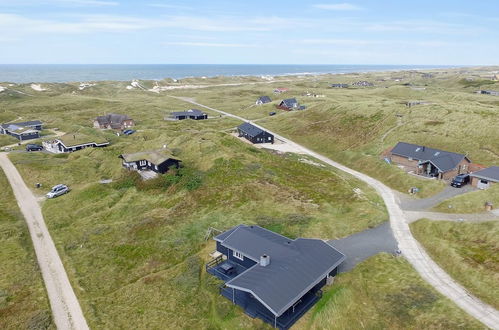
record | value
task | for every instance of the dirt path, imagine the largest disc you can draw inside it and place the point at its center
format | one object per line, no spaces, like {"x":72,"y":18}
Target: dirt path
{"x":412,"y":216}
{"x":66,"y":310}
{"x":410,"y":247}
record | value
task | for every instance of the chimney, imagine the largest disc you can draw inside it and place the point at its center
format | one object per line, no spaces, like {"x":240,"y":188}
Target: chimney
{"x":264,"y":260}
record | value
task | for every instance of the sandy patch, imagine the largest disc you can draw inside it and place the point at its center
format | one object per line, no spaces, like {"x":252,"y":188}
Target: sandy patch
{"x":2,"y":89}
{"x":85,"y":85}
{"x":38,"y":87}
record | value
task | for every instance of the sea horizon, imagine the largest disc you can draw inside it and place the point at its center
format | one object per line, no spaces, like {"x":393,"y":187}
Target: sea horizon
{"x":64,"y":73}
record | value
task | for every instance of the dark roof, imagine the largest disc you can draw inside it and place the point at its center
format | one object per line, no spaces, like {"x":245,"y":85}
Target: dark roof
{"x":24,"y":124}
{"x":190,"y":112}
{"x":295,"y":265}
{"x":112,"y":119}
{"x":250,"y":129}
{"x":490,"y":174}
{"x":264,"y":99}
{"x":290,"y":103}
{"x":443,"y":160}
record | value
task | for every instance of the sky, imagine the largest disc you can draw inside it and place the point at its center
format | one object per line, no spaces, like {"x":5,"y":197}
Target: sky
{"x":437,"y":32}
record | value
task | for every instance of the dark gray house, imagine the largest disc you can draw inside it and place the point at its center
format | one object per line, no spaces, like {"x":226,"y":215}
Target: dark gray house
{"x":254,"y":134}
{"x":189,"y":114}
{"x":488,"y":92}
{"x":27,"y":130}
{"x":290,"y":104}
{"x":159,"y":161}
{"x":263,"y":100}
{"x":339,"y":85}
{"x":270,"y":276}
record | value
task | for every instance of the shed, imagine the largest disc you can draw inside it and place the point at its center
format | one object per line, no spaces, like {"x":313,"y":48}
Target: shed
{"x":484,"y":178}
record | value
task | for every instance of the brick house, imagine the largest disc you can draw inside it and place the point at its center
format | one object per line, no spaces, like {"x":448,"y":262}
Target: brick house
{"x":429,"y":162}
{"x":484,"y":178}
{"x":113,"y":121}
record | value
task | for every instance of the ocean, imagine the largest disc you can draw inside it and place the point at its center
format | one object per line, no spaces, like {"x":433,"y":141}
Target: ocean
{"x":26,"y":73}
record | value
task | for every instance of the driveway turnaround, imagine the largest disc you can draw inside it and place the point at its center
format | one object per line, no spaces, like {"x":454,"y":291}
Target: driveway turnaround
{"x":414,"y":204}
{"x":410,"y":247}
{"x":360,"y":246}
{"x":66,"y":310}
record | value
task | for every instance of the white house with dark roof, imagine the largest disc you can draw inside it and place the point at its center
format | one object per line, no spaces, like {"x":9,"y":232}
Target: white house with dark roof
{"x":273,"y":277}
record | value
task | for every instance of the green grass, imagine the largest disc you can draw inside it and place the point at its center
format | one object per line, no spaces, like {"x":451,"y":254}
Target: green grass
{"x":6,"y":140}
{"x":469,"y":252}
{"x":472,"y":202}
{"x":135,"y":251}
{"x":23,"y":300}
{"x":384,"y":292}
{"x":354,"y":126}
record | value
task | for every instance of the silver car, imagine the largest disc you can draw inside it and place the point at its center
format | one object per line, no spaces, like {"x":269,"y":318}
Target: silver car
{"x":58,"y":190}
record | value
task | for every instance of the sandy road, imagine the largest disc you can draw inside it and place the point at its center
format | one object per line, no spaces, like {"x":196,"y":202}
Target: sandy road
{"x":410,"y":247}
{"x":66,"y":310}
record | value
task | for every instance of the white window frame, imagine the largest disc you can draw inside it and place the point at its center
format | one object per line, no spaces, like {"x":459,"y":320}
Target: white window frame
{"x":237,"y":255}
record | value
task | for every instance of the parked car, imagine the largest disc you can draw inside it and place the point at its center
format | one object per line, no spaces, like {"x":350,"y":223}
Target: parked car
{"x":271,"y":113}
{"x":129,"y":131}
{"x":460,"y":180}
{"x":58,"y":190}
{"x":33,"y":147}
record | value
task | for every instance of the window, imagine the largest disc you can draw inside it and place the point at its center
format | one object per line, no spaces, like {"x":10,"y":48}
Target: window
{"x":143,"y":162}
{"x":238,"y":255}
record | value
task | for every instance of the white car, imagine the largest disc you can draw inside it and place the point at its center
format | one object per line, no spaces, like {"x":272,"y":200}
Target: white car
{"x":58,"y":190}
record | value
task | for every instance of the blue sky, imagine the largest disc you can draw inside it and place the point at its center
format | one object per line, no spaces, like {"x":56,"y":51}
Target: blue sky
{"x":250,"y":32}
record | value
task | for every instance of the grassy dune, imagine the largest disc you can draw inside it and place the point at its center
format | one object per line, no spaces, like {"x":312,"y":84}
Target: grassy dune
{"x":383,"y":292}
{"x":135,"y":251}
{"x":23,"y":300}
{"x":473,"y":202}
{"x":354,"y":125}
{"x":469,"y":252}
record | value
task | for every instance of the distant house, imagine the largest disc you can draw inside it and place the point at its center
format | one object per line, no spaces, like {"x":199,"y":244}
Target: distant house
{"x":263,"y":100}
{"x":113,"y":121}
{"x":429,"y":162}
{"x":74,"y":142}
{"x":339,"y":85}
{"x":27,"y":130}
{"x":290,"y":104}
{"x":159,"y":161}
{"x":488,"y":92}
{"x":270,"y":276}
{"x":188,"y":114}
{"x":254,"y":134}
{"x":280,"y":90}
{"x":363,"y":83}
{"x":484,"y":178}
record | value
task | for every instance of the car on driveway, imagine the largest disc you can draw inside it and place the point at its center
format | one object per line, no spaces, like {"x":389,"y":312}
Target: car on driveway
{"x":128,"y":132}
{"x":460,"y":180}
{"x":33,"y":147}
{"x":57,"y":191}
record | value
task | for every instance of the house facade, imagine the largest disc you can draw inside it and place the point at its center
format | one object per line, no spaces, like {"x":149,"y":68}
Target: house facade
{"x":429,"y":162}
{"x":483,"y":179}
{"x":73,"y":142}
{"x":254,"y":134}
{"x":113,"y":121}
{"x":22,"y":131}
{"x":156,"y":161}
{"x":488,"y":92}
{"x":193,"y":114}
{"x":270,"y":276}
{"x":290,"y":104}
{"x":339,"y":85}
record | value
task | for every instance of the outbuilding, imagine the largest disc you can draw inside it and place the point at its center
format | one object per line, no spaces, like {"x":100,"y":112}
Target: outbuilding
{"x":254,"y":134}
{"x":483,"y":179}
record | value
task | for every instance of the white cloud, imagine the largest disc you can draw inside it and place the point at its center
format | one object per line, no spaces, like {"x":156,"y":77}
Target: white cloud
{"x":168,"y":6}
{"x":337,"y":6}
{"x":209,"y":44}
